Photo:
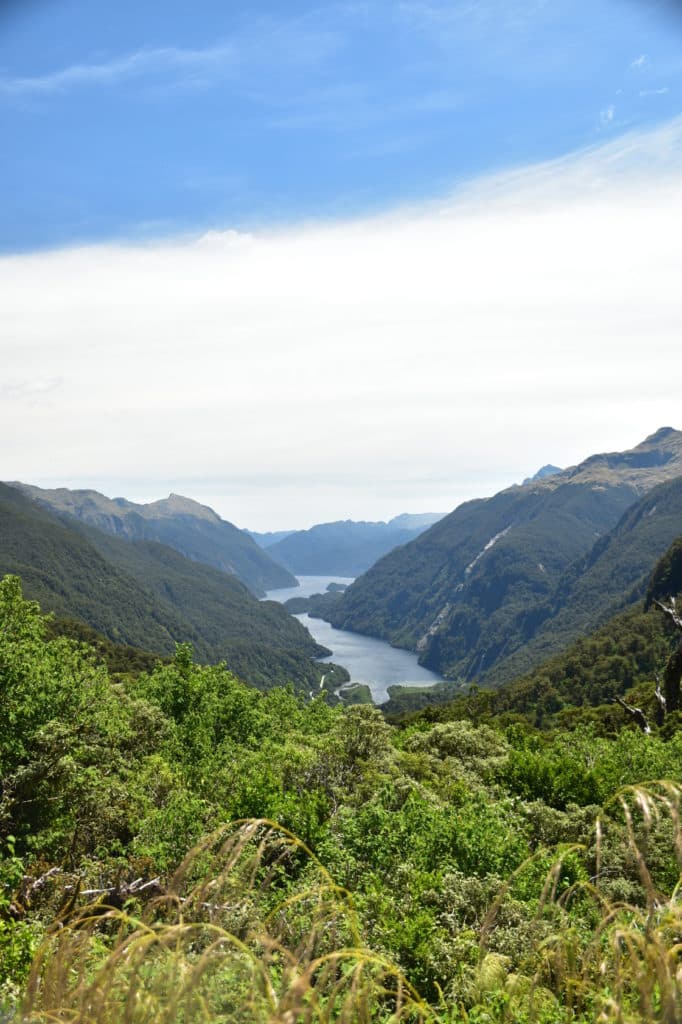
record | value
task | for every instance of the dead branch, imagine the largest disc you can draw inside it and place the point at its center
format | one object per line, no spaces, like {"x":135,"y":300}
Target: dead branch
{"x":33,"y":885}
{"x":121,"y":892}
{"x":662,"y":709}
{"x":636,"y":714}
{"x":671,"y":611}
{"x":672,"y":675}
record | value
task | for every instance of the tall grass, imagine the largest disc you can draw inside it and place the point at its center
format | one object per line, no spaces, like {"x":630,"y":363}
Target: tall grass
{"x":638,"y":946}
{"x":226,"y":943}
{"x":628,"y":968}
{"x":251,"y":929}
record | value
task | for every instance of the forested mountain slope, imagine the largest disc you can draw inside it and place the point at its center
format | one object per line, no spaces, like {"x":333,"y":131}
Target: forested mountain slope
{"x":59,"y":568}
{"x":194,"y":530}
{"x":346,"y":548}
{"x":580,"y":684}
{"x":149,"y":596}
{"x":479,"y":584}
{"x":610,"y":578}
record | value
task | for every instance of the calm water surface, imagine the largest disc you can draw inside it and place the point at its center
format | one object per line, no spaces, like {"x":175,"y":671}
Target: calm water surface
{"x":307,"y":585}
{"x":368,"y":660}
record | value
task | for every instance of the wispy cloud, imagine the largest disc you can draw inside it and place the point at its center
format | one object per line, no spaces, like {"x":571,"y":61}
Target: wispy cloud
{"x":29,"y":390}
{"x":153,"y":62}
{"x":267,"y":47}
{"x":640,"y":61}
{"x":654,"y":92}
{"x":607,"y":115}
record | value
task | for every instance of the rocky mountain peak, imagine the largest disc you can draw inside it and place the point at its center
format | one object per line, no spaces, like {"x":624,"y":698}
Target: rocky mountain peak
{"x":179,"y":505}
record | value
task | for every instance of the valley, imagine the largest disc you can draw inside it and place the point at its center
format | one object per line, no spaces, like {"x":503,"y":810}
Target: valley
{"x":482,"y":595}
{"x":371,"y":664}
{"x":165,"y":695}
{"x":502,"y":582}
{"x":341,"y":512}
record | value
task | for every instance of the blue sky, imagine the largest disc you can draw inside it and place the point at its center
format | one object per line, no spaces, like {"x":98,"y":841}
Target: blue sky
{"x":141,"y":120}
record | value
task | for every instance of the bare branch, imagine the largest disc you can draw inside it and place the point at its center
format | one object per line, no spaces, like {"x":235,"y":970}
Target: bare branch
{"x":672,"y":676}
{"x":120,"y":891}
{"x":36,"y":884}
{"x":636,"y":714}
{"x":671,"y":611}
{"x":662,"y":709}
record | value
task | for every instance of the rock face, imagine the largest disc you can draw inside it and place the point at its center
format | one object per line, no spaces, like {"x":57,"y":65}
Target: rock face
{"x":482,"y":583}
{"x":195,"y":530}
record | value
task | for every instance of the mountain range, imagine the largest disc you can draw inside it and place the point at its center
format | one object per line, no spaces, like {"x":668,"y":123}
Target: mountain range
{"x":195,"y":530}
{"x":148,"y":595}
{"x":344,"y":548}
{"x":486,"y":593}
{"x":501,"y":583}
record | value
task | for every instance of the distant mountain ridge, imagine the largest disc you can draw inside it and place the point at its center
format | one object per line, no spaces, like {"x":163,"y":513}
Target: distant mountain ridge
{"x":149,"y":596}
{"x":346,"y":547}
{"x":548,"y":470}
{"x":479,"y":585}
{"x":264,"y":540}
{"x":195,"y":530}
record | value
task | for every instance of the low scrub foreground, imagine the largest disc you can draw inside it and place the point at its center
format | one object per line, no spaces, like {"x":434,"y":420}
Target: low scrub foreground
{"x":435,"y":872}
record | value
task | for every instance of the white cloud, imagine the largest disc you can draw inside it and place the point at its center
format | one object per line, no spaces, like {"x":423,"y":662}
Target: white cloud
{"x":366,"y":367}
{"x":640,"y":61}
{"x":606,"y":116}
{"x":654,"y":92}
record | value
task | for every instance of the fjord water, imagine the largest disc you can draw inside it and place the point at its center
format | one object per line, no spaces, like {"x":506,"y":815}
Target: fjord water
{"x":368,"y":660}
{"x":307,"y":585}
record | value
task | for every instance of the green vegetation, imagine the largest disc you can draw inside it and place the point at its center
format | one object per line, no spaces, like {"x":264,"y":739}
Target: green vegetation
{"x":613,"y":576}
{"x":413,"y":698}
{"x":146,"y":595}
{"x":356,"y":693}
{"x":118,"y":658}
{"x":666,"y":578}
{"x":501,"y":584}
{"x":580,"y":686}
{"x":194,"y":530}
{"x":447,"y":872}
{"x":625,"y":653}
{"x":319,"y":606}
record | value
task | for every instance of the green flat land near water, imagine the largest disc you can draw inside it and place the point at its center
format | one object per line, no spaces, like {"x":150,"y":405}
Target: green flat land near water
{"x":356,"y":693}
{"x":412,"y":698}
